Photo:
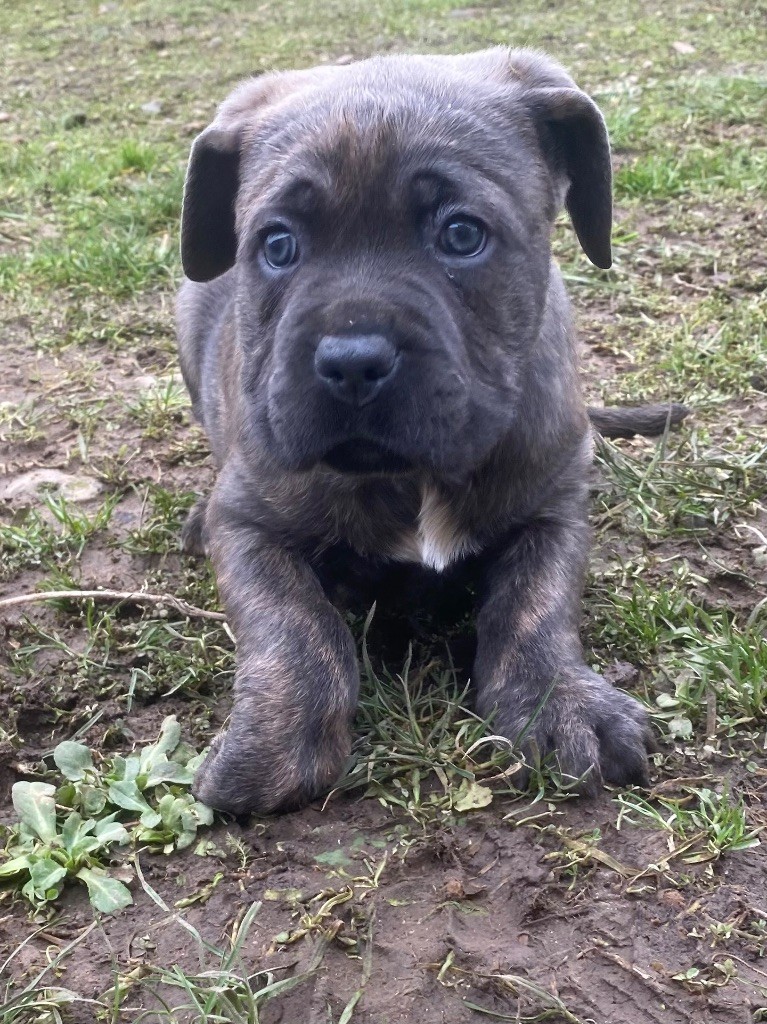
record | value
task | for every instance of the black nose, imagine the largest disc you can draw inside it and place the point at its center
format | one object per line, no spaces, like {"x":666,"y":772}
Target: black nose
{"x":355,"y":367}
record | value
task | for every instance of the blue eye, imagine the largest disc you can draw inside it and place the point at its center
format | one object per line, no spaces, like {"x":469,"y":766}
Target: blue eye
{"x":462,"y":236}
{"x":280,"y":248}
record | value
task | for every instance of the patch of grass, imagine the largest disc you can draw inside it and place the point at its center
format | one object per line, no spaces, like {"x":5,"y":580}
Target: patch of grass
{"x":173,"y":657}
{"x":51,"y":540}
{"x":531,"y":1001}
{"x":702,"y":657}
{"x":419,"y":749}
{"x":706,"y":169}
{"x":224,"y":988}
{"x":160,"y":408}
{"x":162,"y":518}
{"x":40,"y":1000}
{"x":111,"y":214}
{"x":718,"y":351}
{"x":118,"y":657}
{"x":703,"y":822}
{"x":22,"y":423}
{"x":688,"y":486}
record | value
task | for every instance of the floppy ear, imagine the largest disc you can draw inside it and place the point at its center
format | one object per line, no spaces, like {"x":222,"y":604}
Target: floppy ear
{"x":208,"y":237}
{"x":575,"y":144}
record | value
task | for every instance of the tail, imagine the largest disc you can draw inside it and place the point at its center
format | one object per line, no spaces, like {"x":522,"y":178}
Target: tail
{"x":649,"y":420}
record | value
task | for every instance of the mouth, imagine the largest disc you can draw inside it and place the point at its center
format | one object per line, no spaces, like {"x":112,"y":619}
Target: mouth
{"x":365,"y":457}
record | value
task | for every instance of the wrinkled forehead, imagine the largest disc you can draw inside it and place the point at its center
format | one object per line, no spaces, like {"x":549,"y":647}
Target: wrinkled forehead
{"x":364,"y":142}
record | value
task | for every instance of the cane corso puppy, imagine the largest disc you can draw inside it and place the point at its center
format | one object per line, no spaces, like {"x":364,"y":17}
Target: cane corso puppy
{"x":380,"y":348}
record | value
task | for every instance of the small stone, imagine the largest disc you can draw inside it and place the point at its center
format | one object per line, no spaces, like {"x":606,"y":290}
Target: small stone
{"x":681,"y":47}
{"x":153,"y":107}
{"x":68,"y":485}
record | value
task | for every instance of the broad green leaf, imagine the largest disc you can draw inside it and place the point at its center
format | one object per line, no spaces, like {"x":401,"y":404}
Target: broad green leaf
{"x":169,"y":808}
{"x":127,"y":795}
{"x":68,"y":794}
{"x":45,"y":875}
{"x":16,"y":865}
{"x":185,"y":838}
{"x":35,"y":805}
{"x":183,"y":753}
{"x":170,"y":735}
{"x":73,"y":829}
{"x":106,"y":894}
{"x":117,"y":770}
{"x":110,"y":831}
{"x":152,"y":836}
{"x":194,"y":763}
{"x":26,"y":838}
{"x":92,"y":800}
{"x":471,"y":796}
{"x":124,"y":769}
{"x":132,"y":766}
{"x":203,"y":812}
{"x":168,"y":740}
{"x":73,"y":760}
{"x":196,"y":814}
{"x":169,"y":771}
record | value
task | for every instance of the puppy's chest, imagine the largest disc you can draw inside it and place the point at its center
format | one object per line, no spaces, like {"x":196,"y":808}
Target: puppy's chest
{"x":436,"y":538}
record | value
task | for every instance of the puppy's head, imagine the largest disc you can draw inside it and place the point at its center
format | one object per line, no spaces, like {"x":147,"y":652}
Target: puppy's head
{"x":387,"y":224}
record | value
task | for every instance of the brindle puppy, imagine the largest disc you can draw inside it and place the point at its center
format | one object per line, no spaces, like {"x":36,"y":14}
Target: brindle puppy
{"x":379,"y":346}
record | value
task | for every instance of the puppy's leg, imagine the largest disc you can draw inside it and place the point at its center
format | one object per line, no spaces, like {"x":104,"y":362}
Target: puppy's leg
{"x":296,"y":680}
{"x":529,"y":667}
{"x":194,"y":533}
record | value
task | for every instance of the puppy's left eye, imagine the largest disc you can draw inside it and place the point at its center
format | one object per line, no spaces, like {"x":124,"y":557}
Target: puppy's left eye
{"x":280,"y":248}
{"x":462,"y":236}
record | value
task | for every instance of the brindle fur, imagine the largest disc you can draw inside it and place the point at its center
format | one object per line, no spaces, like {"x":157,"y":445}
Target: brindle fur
{"x":488,"y":444}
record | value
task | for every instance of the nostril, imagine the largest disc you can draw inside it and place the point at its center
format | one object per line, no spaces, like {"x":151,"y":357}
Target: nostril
{"x":374,"y":373}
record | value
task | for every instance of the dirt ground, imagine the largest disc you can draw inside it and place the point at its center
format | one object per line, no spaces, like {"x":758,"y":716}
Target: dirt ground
{"x":392,"y":901}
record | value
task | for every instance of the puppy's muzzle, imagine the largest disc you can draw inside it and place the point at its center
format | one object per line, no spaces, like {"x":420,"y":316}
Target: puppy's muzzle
{"x":355,"y":368}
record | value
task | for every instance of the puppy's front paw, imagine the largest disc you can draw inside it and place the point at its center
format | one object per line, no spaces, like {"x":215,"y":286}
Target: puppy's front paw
{"x":592,"y":730}
{"x":244,"y":777}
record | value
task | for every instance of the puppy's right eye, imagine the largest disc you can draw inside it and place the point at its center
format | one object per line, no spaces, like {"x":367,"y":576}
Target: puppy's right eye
{"x":280,"y":248}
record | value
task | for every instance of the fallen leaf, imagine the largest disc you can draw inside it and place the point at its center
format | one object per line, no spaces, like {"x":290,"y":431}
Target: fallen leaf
{"x":471,"y":796}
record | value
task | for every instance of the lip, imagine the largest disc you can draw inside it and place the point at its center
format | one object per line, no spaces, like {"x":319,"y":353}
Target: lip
{"x":362,"y":456}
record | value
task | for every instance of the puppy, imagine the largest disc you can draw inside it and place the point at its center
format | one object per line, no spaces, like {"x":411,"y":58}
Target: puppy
{"x":379,"y":346}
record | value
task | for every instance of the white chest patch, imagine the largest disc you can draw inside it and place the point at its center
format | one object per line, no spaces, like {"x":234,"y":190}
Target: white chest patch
{"x":438,"y":539}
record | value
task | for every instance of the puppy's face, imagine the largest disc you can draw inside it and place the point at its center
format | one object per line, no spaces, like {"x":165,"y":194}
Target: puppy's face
{"x":390,"y":237}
